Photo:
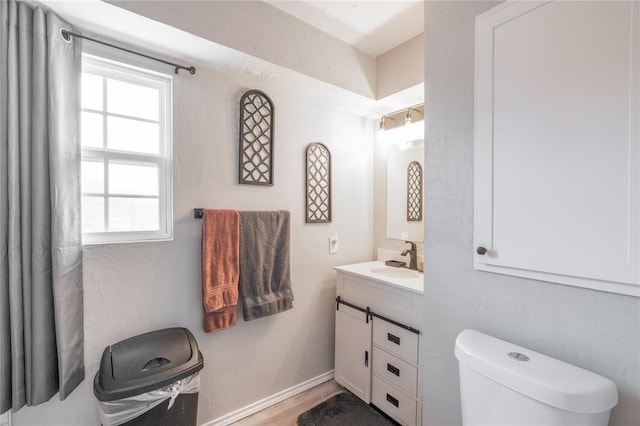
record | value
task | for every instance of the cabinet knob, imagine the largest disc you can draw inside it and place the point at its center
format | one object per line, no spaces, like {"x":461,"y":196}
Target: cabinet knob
{"x":481,"y":251}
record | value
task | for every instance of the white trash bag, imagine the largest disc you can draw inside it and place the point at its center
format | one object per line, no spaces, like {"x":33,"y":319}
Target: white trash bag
{"x":114,"y":413}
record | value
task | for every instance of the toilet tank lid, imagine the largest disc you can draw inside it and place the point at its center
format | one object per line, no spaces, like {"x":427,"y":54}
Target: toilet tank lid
{"x":535,"y":375}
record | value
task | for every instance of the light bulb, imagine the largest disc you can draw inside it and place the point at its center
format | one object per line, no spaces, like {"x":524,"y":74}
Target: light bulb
{"x":408,"y":118}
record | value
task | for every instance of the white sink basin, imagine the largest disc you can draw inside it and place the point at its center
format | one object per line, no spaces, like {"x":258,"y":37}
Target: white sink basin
{"x":389,"y":271}
{"x":402,"y":278}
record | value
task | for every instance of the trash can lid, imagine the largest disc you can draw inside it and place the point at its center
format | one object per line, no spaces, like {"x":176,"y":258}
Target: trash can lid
{"x":146,"y":362}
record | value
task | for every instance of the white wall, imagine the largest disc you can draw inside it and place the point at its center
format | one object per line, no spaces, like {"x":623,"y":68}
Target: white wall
{"x":397,"y":70}
{"x":134,"y":288}
{"x":594,"y":330}
{"x":401,"y":67}
{"x":266,"y":32}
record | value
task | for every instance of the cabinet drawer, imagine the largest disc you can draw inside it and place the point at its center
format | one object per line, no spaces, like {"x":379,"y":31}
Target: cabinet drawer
{"x":396,"y":340}
{"x":393,"y":402}
{"x":395,"y":371}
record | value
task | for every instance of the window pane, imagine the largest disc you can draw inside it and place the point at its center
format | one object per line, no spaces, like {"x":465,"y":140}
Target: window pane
{"x":92,"y":214}
{"x":91,"y":130}
{"x":133,"y":100}
{"x":91,"y":91}
{"x":92,"y":176}
{"x":133,"y":135}
{"x":124,"y":161}
{"x":133,"y":179}
{"x":133,"y":214}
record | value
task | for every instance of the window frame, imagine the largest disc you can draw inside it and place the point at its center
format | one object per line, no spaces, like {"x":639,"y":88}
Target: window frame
{"x":106,"y":68}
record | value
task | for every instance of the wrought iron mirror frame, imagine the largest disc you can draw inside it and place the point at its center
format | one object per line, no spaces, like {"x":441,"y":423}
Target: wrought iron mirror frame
{"x":247,"y":152}
{"x":312,"y":168}
{"x":414,"y":192}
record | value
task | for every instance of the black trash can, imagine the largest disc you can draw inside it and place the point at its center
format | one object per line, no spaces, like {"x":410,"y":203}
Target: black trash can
{"x":150,"y":379}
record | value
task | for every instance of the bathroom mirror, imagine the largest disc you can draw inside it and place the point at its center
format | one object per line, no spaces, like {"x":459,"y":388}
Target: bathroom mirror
{"x":399,"y":158}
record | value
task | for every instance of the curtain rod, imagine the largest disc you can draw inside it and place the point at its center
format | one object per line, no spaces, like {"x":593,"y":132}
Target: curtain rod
{"x":67,"y":36}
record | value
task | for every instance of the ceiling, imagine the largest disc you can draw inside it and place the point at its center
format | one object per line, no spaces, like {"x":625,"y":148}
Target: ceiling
{"x":372,"y":26}
{"x":102,"y":19}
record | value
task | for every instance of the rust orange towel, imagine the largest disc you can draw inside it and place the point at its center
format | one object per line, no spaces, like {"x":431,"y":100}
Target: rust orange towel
{"x":220,"y":268}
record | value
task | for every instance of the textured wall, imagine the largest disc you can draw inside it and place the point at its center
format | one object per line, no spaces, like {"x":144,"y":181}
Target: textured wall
{"x":134,"y":288}
{"x":594,"y":330}
{"x":258,"y":29}
{"x":401,"y":67}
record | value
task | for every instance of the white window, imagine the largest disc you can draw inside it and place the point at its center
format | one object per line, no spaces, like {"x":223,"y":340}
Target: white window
{"x":126,"y":153}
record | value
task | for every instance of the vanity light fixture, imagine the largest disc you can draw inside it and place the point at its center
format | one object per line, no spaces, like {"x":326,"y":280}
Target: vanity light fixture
{"x":402,"y":126}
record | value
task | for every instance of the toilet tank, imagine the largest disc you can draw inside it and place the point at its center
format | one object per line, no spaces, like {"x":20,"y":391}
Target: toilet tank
{"x":505,"y":384}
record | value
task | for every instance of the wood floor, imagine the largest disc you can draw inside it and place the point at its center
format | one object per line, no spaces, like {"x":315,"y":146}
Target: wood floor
{"x":286,"y":412}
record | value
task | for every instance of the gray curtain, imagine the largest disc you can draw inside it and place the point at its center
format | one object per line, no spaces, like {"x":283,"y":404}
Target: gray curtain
{"x":41,"y":296}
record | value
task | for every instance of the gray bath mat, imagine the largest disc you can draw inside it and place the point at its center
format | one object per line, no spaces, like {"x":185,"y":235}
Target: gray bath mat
{"x":341,"y":410}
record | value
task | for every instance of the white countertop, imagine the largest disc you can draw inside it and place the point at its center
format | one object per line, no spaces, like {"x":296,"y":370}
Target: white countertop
{"x":365,"y":270}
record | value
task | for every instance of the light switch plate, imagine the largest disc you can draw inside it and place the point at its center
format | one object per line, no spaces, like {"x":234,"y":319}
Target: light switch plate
{"x":333,"y":243}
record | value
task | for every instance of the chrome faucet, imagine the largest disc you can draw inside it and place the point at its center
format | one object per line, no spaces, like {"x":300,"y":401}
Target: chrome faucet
{"x":413,"y":255}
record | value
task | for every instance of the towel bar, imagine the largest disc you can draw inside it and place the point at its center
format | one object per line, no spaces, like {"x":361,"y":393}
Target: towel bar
{"x":198,"y":213}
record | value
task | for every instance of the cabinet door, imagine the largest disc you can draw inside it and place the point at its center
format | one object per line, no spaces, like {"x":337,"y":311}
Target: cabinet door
{"x":353,"y":352}
{"x":557,"y":182}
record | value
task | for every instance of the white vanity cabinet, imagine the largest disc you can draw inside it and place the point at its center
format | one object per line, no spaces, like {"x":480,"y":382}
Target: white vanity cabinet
{"x":394,"y":387}
{"x":377,"y":339}
{"x":353,"y":351}
{"x":557,"y":143}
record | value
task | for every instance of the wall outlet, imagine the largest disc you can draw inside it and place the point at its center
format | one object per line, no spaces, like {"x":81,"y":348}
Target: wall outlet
{"x":333,"y":243}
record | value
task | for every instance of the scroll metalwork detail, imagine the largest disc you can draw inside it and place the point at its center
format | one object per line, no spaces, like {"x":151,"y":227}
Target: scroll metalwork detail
{"x":414,"y":192}
{"x":318,"y":184}
{"x":256,"y":138}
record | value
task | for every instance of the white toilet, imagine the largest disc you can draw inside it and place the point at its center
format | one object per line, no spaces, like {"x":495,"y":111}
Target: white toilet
{"x":505,"y":384}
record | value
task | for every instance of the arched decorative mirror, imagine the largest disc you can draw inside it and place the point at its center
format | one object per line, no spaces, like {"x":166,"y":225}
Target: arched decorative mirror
{"x":318,"y":188}
{"x":256,"y":138}
{"x":414,"y":192}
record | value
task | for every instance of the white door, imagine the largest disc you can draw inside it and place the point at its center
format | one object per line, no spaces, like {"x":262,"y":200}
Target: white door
{"x":353,"y":352}
{"x":558,"y":143}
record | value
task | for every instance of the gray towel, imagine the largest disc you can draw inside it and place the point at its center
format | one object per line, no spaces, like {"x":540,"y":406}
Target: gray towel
{"x":265,"y":271}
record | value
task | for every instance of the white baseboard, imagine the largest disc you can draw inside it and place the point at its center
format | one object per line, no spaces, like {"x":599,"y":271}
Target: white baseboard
{"x":267,"y":402}
{"x":5,"y":419}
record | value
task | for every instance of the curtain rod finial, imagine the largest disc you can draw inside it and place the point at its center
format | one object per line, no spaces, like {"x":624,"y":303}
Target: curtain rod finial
{"x":65,"y":35}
